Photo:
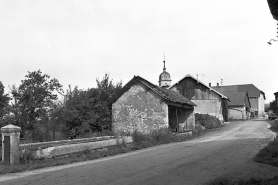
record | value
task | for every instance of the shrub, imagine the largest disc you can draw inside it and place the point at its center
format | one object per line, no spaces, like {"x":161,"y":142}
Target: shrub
{"x":251,"y":181}
{"x":207,"y":120}
{"x":274,"y":125}
{"x":139,"y":138}
{"x":161,"y":136}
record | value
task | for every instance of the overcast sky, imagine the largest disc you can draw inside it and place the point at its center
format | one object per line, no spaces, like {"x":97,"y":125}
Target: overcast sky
{"x":77,"y":41}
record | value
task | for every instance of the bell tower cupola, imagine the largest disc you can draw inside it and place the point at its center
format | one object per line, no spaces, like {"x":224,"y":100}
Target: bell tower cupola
{"x":164,"y":77}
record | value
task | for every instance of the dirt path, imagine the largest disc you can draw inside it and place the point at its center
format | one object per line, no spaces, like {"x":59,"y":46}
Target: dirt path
{"x":225,"y":152}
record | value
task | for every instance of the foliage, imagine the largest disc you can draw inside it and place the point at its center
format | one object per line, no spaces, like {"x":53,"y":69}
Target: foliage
{"x":88,"y":111}
{"x":251,"y":181}
{"x":34,"y":98}
{"x":207,"y":120}
{"x":156,"y":137}
{"x":4,"y":100}
{"x":269,"y":154}
{"x":273,"y":106}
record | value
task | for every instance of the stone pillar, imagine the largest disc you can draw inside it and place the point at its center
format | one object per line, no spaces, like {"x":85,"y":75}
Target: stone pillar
{"x":11,"y":134}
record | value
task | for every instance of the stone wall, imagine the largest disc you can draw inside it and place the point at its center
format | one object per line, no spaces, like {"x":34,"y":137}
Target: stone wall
{"x":140,"y":109}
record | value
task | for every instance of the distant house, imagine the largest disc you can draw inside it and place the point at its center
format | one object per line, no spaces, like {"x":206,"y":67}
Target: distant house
{"x":239,"y":105}
{"x":144,"y":106}
{"x":256,"y":96}
{"x":208,"y":100}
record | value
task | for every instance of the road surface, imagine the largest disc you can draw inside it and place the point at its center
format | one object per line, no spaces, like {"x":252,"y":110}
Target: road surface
{"x":227,"y":152}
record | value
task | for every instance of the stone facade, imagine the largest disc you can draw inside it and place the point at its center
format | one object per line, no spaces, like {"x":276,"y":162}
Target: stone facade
{"x":139,"y":109}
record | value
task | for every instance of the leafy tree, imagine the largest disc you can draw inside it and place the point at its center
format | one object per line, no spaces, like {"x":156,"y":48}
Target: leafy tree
{"x":273,"y":106}
{"x":35,"y":97}
{"x":106,"y":88}
{"x":4,"y":101}
{"x":88,"y":111}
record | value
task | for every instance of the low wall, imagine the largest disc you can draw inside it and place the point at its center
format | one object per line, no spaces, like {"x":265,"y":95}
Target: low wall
{"x":52,"y":151}
{"x":65,"y":142}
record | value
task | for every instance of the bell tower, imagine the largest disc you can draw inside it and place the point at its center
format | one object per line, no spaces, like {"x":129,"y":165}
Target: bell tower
{"x":164,"y":77}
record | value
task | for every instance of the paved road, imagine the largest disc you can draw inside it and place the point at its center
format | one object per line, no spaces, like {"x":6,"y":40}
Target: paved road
{"x":225,"y":152}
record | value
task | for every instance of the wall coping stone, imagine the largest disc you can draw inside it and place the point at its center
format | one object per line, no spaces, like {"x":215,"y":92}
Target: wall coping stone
{"x":10,"y":129}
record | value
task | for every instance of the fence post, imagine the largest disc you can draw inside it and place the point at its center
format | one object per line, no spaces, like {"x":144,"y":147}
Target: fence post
{"x":10,"y":144}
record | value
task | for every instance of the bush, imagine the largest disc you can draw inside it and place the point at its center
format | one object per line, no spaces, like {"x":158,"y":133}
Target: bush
{"x":139,"y":139}
{"x":207,"y":121}
{"x":162,"y":136}
{"x":274,"y":125}
{"x":251,"y":181}
{"x":155,"y":137}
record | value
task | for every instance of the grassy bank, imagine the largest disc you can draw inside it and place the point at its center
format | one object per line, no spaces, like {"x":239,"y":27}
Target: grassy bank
{"x":162,"y":136}
{"x":269,"y":154}
{"x":252,"y":181}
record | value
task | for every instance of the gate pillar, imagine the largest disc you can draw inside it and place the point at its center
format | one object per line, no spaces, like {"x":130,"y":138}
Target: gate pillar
{"x":10,"y":144}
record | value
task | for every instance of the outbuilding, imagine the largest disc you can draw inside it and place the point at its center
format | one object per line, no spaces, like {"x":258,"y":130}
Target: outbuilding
{"x":239,"y":105}
{"x":208,"y":100}
{"x":143,"y":106}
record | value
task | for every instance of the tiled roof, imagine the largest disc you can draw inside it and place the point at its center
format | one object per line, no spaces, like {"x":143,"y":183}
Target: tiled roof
{"x":189,"y":76}
{"x":237,"y":98}
{"x":253,"y":91}
{"x":166,"y":94}
{"x":273,"y":6}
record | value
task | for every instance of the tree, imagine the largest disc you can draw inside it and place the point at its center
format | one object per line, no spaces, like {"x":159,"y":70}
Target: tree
{"x":35,"y":97}
{"x":4,"y":102}
{"x":106,"y":88}
{"x":88,"y":111}
{"x":273,"y":106}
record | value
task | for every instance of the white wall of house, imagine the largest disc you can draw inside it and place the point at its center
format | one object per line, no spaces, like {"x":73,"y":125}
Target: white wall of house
{"x":261,"y":105}
{"x":257,"y":104}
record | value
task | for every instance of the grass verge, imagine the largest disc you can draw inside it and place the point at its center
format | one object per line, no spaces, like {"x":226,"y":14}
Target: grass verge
{"x":269,"y":154}
{"x":140,"y":141}
{"x":251,"y":181}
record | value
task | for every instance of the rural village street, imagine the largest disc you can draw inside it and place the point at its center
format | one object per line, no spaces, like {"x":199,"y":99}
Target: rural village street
{"x":227,"y":151}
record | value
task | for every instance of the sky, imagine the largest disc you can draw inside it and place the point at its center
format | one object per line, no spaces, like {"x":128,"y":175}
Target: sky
{"x":78,"y":41}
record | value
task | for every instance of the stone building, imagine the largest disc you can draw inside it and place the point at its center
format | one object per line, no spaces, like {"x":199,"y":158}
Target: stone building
{"x":208,"y":100}
{"x":144,"y":106}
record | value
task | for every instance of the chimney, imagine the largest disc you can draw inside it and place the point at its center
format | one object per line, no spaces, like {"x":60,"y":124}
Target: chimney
{"x":209,"y":84}
{"x":217,"y":84}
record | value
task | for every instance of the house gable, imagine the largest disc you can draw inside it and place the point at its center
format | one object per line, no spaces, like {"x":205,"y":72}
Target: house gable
{"x":193,"y":89}
{"x":208,"y":100}
{"x":138,"y":108}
